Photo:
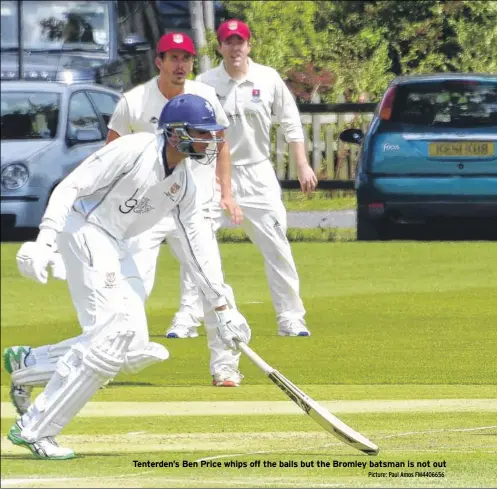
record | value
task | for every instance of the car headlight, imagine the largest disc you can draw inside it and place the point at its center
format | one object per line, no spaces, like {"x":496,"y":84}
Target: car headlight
{"x":14,"y":176}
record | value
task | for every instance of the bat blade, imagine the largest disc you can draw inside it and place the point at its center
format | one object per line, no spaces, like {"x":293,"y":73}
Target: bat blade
{"x":323,"y":417}
{"x":312,"y":408}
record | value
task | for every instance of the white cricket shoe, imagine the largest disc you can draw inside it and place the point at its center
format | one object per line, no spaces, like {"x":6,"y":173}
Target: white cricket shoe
{"x":14,"y":359}
{"x":293,"y":327}
{"x":45,"y":448}
{"x":226,"y":377}
{"x":178,"y":330}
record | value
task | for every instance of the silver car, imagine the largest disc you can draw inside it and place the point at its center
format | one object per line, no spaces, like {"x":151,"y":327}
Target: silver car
{"x":47,"y":130}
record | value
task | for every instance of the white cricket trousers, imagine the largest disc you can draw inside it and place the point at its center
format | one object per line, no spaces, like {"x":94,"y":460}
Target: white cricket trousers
{"x":257,"y":191}
{"x":103,"y":281}
{"x":145,"y":250}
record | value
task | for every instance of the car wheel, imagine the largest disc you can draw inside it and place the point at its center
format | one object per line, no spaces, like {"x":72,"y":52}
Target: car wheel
{"x":371,"y":229}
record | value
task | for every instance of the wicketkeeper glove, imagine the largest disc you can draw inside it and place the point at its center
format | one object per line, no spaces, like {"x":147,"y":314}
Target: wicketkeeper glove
{"x":232,"y":325}
{"x":34,"y":257}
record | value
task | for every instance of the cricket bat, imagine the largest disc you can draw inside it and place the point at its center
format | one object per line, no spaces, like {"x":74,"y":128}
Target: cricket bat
{"x":312,"y":408}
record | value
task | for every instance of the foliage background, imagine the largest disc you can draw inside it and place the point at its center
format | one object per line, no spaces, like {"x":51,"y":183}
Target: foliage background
{"x":363,"y":45}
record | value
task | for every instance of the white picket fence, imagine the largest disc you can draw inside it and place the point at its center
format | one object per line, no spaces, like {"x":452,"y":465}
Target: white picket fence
{"x":330,"y":158}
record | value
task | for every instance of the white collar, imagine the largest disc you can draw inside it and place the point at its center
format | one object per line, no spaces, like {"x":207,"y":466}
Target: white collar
{"x":248,"y":77}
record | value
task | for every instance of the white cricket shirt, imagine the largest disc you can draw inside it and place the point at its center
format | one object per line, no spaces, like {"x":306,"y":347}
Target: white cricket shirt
{"x":123,"y":188}
{"x":249,"y":104}
{"x":139,"y":110}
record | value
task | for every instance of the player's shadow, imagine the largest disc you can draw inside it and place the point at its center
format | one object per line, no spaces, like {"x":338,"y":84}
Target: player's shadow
{"x":100,"y":454}
{"x":18,"y":456}
{"x":125,"y":383}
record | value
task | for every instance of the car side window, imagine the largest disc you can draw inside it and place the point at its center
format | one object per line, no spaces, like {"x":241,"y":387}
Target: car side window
{"x":105,"y":104}
{"x":81,"y":115}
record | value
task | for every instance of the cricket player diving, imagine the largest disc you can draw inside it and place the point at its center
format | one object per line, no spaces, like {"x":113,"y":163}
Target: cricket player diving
{"x":120,"y":191}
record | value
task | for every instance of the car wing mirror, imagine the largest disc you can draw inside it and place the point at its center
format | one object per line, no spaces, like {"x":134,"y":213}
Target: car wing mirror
{"x":134,"y":44}
{"x":352,"y":136}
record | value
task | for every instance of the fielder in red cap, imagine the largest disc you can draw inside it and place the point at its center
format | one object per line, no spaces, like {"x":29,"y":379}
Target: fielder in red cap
{"x":175,"y":40}
{"x":251,"y":95}
{"x":233,"y":27}
{"x":175,"y":56}
{"x":139,"y":111}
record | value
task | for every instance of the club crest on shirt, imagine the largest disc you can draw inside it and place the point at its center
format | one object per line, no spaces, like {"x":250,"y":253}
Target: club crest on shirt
{"x":172,"y":193}
{"x":256,"y":95}
{"x":110,"y":280}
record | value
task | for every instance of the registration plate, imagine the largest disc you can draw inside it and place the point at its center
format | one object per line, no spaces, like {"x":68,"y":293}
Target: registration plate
{"x":475,"y":149}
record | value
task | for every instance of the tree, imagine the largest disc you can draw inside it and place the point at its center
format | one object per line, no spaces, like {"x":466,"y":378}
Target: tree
{"x":307,"y":83}
{"x":475,"y":30}
{"x":367,"y":43}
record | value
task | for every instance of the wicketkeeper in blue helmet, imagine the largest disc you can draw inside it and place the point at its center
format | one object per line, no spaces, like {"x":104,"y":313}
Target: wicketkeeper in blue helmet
{"x":189,"y":119}
{"x":120,"y":191}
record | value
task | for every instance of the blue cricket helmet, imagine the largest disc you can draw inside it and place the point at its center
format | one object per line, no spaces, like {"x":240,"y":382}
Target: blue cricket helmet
{"x":183,"y":113}
{"x":190,"y":111}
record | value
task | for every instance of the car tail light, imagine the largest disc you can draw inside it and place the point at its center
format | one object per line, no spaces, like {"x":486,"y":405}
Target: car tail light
{"x":376,"y":208}
{"x":376,"y":205}
{"x":386,"y":105}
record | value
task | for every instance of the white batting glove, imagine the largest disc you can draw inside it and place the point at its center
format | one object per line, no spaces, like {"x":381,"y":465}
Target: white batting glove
{"x":33,"y":258}
{"x":232,"y":325}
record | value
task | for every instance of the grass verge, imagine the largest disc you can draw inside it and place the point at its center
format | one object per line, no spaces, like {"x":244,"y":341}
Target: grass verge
{"x":320,"y":200}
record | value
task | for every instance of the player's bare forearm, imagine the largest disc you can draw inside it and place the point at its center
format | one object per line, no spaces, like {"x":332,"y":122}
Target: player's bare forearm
{"x":307,"y":177}
{"x":223,"y":175}
{"x":297,"y":150}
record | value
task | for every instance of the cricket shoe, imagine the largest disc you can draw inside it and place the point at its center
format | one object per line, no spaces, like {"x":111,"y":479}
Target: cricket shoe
{"x":293,"y":327}
{"x":45,"y":448}
{"x":226,"y":377}
{"x":178,"y":330}
{"x":14,"y":359}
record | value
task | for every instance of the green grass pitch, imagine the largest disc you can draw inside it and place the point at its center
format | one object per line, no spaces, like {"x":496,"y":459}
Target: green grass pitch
{"x":402,"y":349}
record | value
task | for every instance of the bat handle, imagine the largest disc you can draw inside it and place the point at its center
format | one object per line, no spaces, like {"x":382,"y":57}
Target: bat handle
{"x":254,"y":358}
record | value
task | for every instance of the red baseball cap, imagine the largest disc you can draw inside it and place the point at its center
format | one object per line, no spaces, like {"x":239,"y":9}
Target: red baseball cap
{"x":233,"y":27}
{"x":175,"y":40}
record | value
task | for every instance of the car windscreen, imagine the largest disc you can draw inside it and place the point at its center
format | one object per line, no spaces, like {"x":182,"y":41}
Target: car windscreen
{"x":446,"y":104}
{"x":55,"y":26}
{"x":29,"y":115}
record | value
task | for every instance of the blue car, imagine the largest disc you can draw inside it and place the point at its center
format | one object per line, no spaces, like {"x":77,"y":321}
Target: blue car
{"x":429,"y":155}
{"x":47,"y":130}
